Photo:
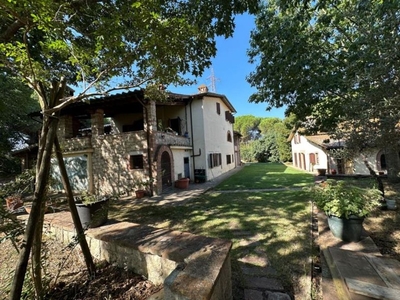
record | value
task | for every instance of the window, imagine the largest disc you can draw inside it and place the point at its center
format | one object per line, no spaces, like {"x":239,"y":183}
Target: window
{"x":228,"y":159}
{"x":218,"y":108}
{"x":229,"y":138}
{"x":314,"y":158}
{"x":229,"y":117}
{"x":214,"y":160}
{"x":136,"y":162}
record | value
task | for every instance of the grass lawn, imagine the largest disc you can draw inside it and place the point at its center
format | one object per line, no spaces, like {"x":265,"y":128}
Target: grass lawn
{"x":268,"y":229}
{"x":266,"y":175}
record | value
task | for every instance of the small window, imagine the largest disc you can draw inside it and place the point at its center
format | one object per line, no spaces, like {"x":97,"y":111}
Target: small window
{"x":229,"y":138}
{"x":214,"y":160}
{"x":228,"y":159}
{"x":218,"y":108}
{"x":136,"y":162}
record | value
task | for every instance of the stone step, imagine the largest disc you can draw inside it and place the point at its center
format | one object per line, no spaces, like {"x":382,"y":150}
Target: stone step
{"x":359,"y":275}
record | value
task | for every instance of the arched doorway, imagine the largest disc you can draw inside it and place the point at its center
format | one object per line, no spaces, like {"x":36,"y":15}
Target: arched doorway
{"x":166,"y":179}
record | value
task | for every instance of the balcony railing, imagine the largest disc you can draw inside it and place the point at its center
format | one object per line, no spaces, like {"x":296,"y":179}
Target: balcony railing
{"x":165,"y":138}
{"x":124,"y":139}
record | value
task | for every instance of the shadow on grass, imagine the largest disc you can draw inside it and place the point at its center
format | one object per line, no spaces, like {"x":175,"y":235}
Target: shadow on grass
{"x":273,"y":227}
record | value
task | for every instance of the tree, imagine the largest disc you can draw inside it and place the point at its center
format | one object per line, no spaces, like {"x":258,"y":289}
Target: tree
{"x":15,"y":105}
{"x":336,"y":62}
{"x":282,"y":143}
{"x":248,"y":127}
{"x":267,"y":124}
{"x":272,"y":133}
{"x":51,"y":43}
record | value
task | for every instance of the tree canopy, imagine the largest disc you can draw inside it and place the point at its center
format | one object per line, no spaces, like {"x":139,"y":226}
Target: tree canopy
{"x":269,"y":139}
{"x":91,"y":42}
{"x":17,"y":129}
{"x":248,"y":127}
{"x":334,"y":61}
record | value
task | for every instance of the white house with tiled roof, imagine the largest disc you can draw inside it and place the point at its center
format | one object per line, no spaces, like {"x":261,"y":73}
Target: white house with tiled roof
{"x":319,"y":152}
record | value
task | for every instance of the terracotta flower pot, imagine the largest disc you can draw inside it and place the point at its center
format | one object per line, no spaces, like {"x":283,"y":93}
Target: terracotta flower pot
{"x":140,"y":193}
{"x":182,"y":183}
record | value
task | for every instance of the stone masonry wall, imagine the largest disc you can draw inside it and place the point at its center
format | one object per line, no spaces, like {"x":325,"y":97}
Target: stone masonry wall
{"x":189,"y":266}
{"x":111,"y":161}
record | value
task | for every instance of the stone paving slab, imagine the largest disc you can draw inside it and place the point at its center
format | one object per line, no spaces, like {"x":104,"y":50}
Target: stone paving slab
{"x":264,"y":283}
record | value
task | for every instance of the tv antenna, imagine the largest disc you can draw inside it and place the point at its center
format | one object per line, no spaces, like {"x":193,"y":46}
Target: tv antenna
{"x":213,"y":81}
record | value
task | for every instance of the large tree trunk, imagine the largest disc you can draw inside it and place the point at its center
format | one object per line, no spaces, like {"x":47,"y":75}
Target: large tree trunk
{"x":49,"y":132}
{"x":37,"y":253}
{"x":75,"y":217}
{"x":42,"y":177}
{"x":377,"y":178}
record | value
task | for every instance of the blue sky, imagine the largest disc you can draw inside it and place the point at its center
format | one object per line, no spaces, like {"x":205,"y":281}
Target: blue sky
{"x":231,"y":67}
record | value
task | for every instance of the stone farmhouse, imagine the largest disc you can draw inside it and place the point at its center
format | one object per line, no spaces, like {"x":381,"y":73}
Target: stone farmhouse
{"x":317,"y":152}
{"x":116,"y":143}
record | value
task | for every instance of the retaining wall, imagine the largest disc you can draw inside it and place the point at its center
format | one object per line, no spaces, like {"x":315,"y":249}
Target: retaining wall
{"x":189,"y":266}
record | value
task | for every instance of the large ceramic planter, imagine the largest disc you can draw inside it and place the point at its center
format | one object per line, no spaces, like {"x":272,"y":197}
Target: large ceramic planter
{"x":182,"y":183}
{"x":94,"y":214}
{"x":348,"y":230}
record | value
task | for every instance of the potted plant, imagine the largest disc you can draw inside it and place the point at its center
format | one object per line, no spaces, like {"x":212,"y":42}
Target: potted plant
{"x":92,"y":209}
{"x":141,"y":187}
{"x":346,"y":206}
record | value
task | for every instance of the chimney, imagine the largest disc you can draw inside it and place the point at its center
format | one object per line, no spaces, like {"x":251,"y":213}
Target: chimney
{"x":202,"y":89}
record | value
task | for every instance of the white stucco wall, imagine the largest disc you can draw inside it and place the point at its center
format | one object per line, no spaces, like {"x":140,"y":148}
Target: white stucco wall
{"x":210,"y":131}
{"x":359,"y":165}
{"x":305,"y":147}
{"x":179,"y":155}
{"x":198,"y":134}
{"x":216,"y":129}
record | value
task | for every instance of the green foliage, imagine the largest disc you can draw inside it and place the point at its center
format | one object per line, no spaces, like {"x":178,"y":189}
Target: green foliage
{"x":141,"y":184}
{"x":142,"y":42}
{"x":246,"y":152}
{"x":248,"y":127}
{"x":15,"y":125}
{"x":333,"y":61}
{"x":265,"y":149}
{"x":271,"y":143}
{"x":88,"y":198}
{"x":267,"y":124}
{"x":22,"y":184}
{"x":341,"y":199}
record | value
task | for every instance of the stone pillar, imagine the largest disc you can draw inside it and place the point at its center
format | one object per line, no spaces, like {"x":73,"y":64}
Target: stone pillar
{"x":97,"y":121}
{"x":150,"y":128}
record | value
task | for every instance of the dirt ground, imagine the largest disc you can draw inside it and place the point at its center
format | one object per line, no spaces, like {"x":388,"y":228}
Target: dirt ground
{"x":66,"y":277}
{"x":383,"y":226}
